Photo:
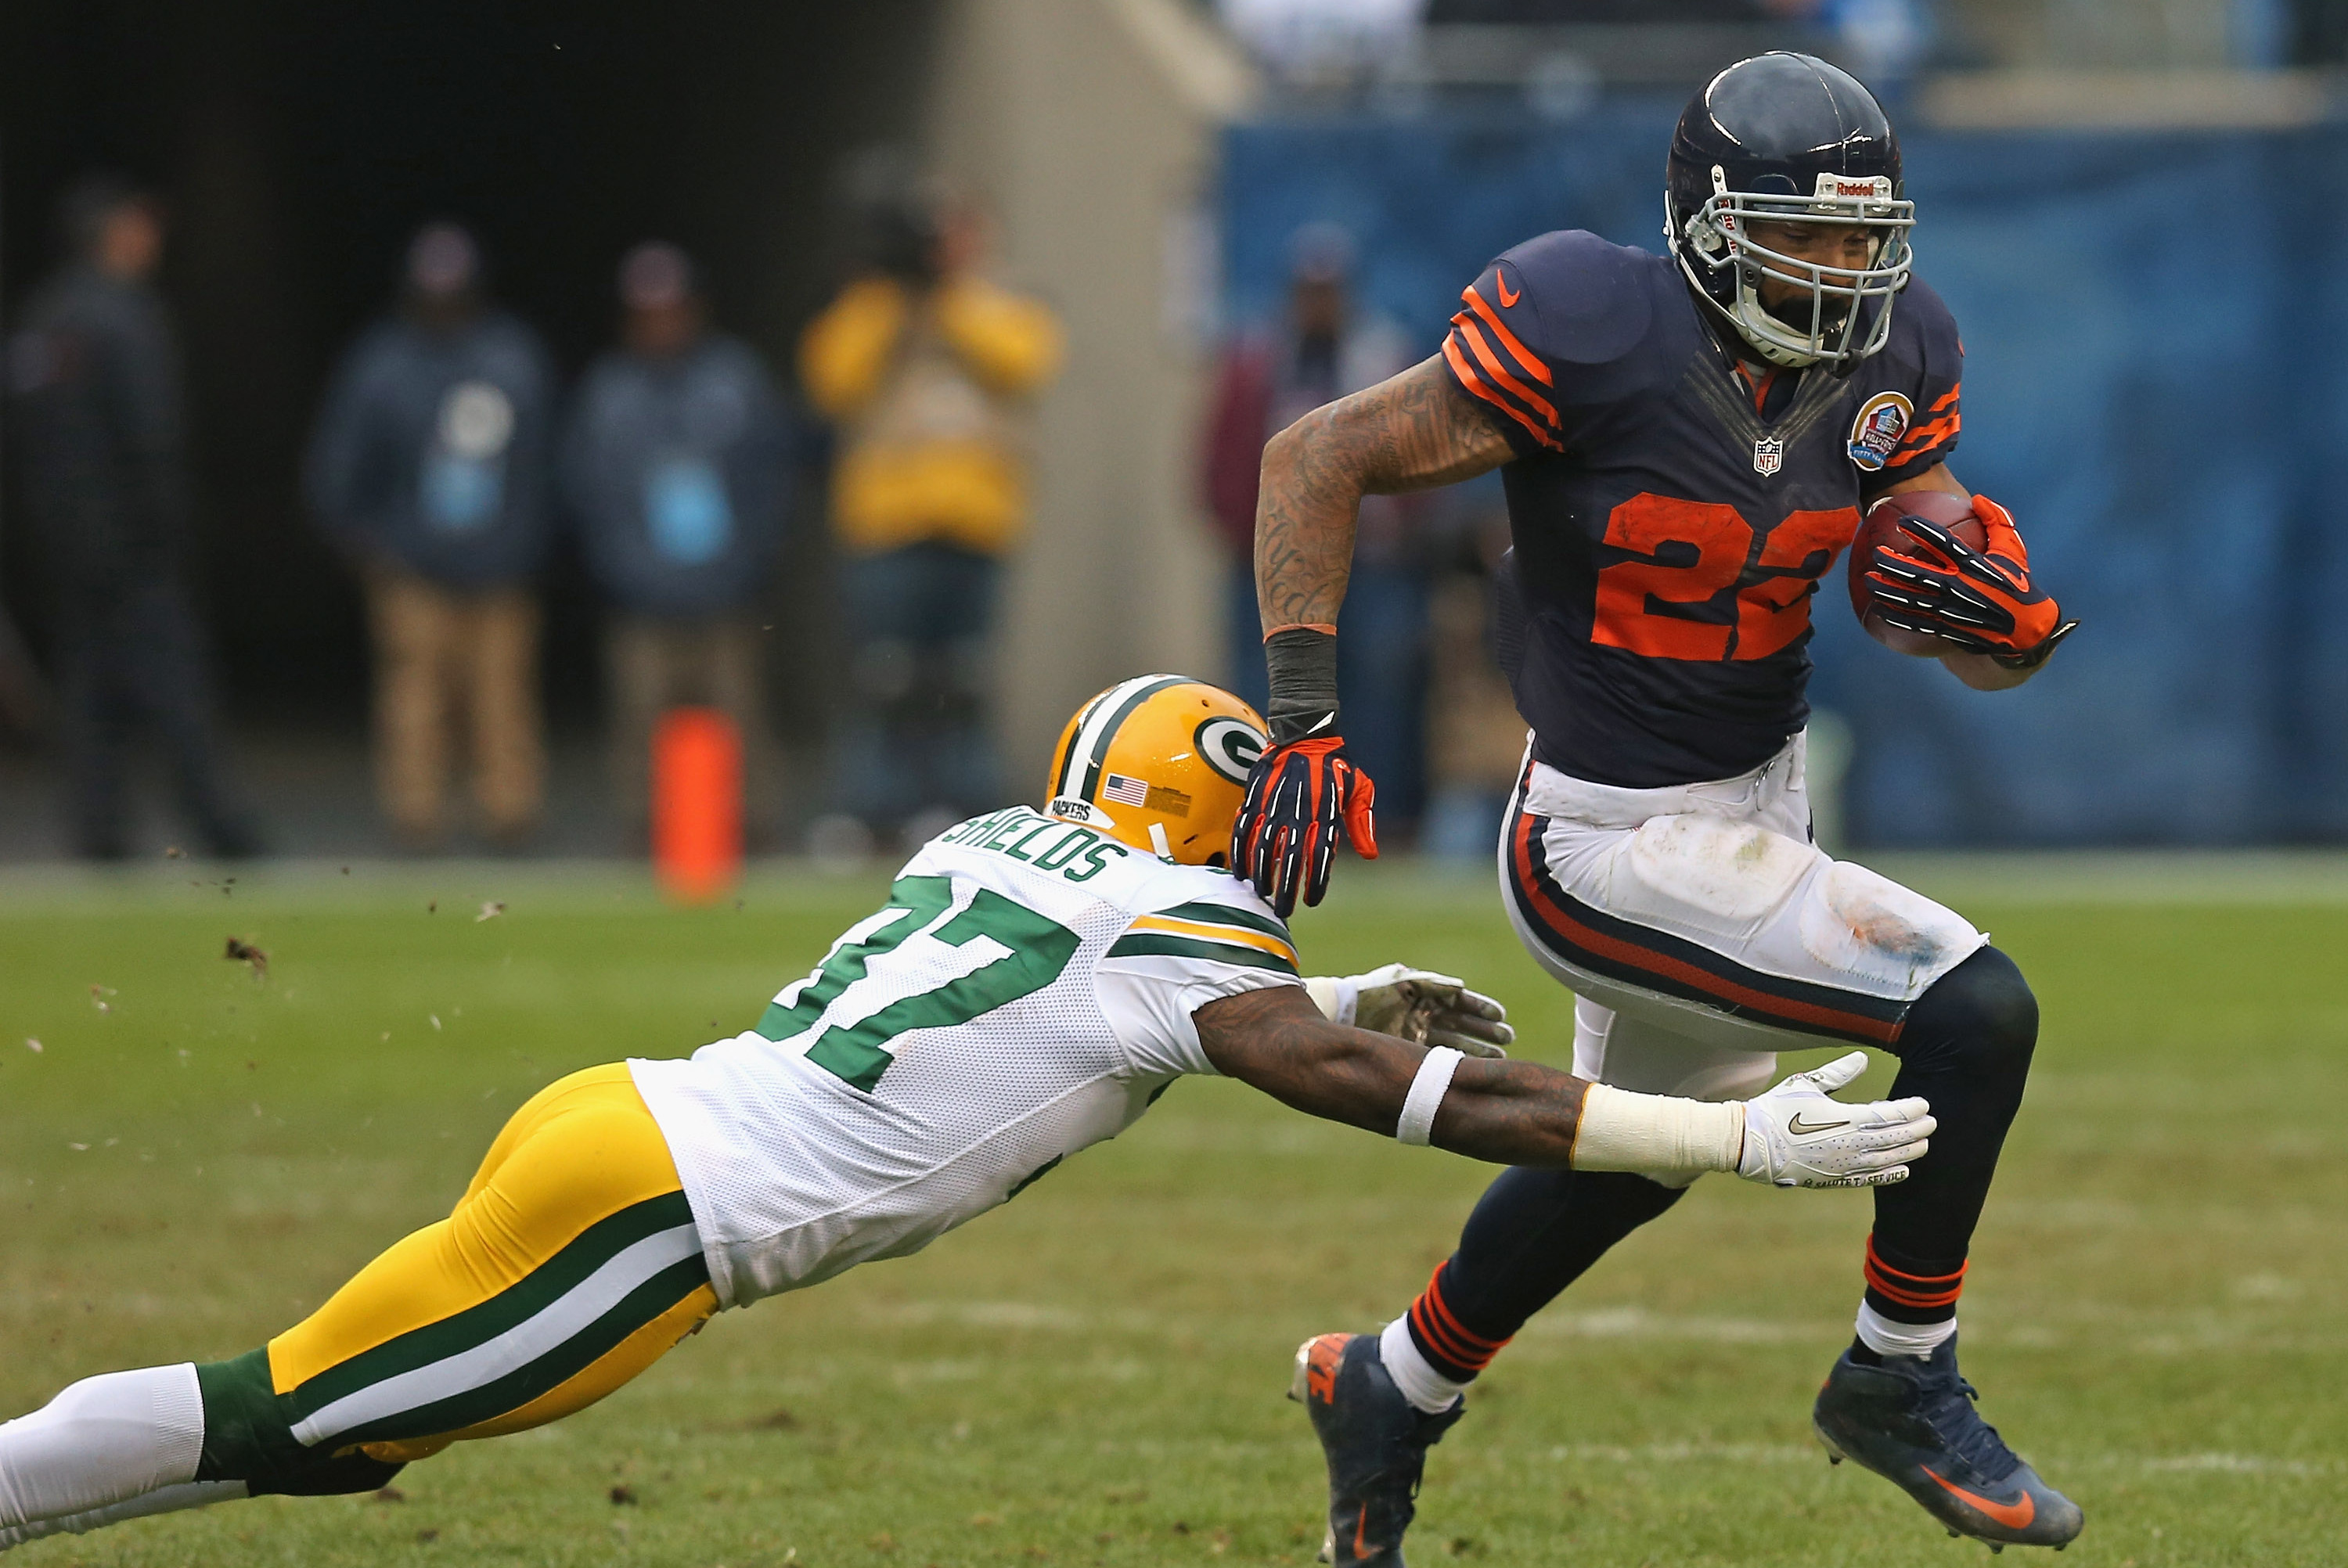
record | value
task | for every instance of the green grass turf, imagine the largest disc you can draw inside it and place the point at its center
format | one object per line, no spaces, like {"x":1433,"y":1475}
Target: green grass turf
{"x":1093,"y":1374}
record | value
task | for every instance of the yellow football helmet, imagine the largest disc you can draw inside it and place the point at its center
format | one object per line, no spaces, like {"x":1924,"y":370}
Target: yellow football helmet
{"x":1158,"y":763}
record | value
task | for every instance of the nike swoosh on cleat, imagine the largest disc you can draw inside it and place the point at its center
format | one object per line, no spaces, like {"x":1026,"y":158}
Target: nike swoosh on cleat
{"x":1801,"y":1128}
{"x":1507,"y":299}
{"x":2013,"y":1515}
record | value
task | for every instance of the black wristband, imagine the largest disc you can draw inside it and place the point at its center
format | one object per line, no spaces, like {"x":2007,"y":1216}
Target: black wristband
{"x":1302,"y":664}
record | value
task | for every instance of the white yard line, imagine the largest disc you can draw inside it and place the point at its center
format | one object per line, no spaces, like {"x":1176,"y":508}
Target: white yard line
{"x":1810,"y":1454}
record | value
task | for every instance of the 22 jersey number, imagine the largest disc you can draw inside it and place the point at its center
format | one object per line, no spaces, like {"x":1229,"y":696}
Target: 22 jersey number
{"x":911,"y":965}
{"x":1696,"y":551}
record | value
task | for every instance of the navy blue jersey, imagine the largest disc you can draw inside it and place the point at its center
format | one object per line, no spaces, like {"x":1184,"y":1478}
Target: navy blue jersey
{"x":1673,"y":513}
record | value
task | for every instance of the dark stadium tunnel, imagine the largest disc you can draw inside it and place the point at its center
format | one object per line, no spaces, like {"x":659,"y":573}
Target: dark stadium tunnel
{"x":298,"y":146}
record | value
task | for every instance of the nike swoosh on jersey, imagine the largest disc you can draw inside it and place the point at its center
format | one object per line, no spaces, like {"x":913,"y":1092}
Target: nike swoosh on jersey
{"x":1501,"y":280}
{"x":1801,"y":1128}
{"x":2013,"y":1515}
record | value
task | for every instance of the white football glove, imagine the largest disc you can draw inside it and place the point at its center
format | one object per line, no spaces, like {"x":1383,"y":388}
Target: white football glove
{"x":1794,"y":1136}
{"x":1416,"y":1004}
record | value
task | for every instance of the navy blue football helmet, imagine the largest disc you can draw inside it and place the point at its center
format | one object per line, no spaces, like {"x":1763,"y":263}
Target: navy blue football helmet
{"x":1788,"y":139}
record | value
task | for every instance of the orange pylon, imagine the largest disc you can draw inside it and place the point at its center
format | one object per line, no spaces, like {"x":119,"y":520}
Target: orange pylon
{"x":697,"y":804}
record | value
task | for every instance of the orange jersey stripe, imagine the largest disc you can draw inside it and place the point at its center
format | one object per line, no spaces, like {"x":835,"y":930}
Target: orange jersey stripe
{"x":1470,"y":381}
{"x":1939,"y":420}
{"x":1490,"y":362}
{"x":1524,"y":356}
{"x":1925,"y":436}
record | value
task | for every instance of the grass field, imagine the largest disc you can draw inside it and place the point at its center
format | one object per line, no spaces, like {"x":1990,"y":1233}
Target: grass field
{"x":1093,"y":1374}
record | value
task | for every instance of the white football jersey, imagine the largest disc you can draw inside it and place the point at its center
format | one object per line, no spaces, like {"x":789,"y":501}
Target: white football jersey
{"x":1026,"y":993}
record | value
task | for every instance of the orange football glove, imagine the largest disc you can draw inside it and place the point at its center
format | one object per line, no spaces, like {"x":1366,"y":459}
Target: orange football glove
{"x":1286,"y":834}
{"x":1982,"y":600}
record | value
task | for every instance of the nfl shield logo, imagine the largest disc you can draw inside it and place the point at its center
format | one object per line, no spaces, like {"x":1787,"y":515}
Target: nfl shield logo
{"x":1768,"y":455}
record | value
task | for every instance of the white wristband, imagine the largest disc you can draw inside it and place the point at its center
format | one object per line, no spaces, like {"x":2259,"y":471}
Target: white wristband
{"x":1427,"y":1091}
{"x":1656,"y":1134}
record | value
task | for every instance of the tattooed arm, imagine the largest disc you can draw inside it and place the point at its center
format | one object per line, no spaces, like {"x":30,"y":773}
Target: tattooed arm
{"x":1275,"y":1039}
{"x":1411,"y":432}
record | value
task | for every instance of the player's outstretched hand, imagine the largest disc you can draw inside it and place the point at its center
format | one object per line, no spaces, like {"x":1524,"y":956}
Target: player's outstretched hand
{"x":1797,"y":1136}
{"x":1418,"y":1006}
{"x":1299,"y":796}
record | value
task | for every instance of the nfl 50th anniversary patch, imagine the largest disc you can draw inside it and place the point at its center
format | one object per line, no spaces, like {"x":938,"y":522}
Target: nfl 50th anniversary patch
{"x":1875,"y":434}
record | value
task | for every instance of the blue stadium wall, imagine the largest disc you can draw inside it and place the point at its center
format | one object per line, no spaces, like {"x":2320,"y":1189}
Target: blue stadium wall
{"x":2155,"y":382}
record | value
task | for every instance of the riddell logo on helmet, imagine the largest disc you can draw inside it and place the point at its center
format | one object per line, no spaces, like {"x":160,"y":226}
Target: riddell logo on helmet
{"x":1877,"y":188}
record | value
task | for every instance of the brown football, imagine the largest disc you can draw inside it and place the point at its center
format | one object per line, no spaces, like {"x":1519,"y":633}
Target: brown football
{"x":1952,"y":512}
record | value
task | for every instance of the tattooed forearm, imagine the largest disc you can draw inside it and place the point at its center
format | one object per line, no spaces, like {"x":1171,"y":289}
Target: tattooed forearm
{"x":1412,"y":432}
{"x":1275,"y":1039}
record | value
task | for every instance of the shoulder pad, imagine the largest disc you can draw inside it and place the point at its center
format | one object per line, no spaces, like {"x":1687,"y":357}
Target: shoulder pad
{"x":1164,"y":884}
{"x":1923,"y":331}
{"x":1207,"y":914}
{"x":1593,"y":300}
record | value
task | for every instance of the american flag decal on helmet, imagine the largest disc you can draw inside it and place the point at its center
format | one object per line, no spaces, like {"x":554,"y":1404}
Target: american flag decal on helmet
{"x":1125,"y":790}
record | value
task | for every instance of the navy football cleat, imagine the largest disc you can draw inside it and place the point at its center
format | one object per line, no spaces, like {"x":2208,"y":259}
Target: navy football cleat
{"x":1913,"y":1422}
{"x":1375,"y":1442}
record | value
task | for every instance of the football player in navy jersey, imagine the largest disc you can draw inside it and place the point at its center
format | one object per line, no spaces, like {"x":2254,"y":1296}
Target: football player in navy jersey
{"x":1687,"y":441}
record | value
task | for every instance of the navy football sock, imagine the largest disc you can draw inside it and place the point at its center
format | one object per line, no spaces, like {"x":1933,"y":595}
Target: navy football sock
{"x":1966,"y":1047}
{"x":1533,"y":1232}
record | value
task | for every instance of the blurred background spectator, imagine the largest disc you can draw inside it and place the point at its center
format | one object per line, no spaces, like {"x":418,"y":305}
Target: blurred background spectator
{"x":676,"y":462}
{"x":1322,"y":348}
{"x":429,"y":467}
{"x":96,"y":374}
{"x":926,"y":369}
{"x":1149,"y":163}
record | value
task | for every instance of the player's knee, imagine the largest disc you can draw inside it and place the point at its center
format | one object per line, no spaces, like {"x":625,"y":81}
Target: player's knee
{"x":1981,"y":1015}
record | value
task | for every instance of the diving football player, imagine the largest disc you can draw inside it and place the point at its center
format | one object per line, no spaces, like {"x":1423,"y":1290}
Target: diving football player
{"x":1035,"y":981}
{"x":1686,"y":441}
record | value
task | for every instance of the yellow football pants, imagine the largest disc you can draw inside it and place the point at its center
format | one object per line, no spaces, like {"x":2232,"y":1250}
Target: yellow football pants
{"x":570,"y":1265}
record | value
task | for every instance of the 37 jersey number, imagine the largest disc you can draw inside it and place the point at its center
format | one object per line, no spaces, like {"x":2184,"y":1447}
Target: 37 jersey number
{"x":1696,"y":550}
{"x":889,"y":963}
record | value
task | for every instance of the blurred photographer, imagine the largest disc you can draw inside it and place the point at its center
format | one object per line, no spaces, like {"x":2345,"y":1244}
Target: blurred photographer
{"x":926,"y":369}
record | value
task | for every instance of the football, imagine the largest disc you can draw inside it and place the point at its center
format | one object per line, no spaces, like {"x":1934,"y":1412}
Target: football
{"x":1952,"y":512}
